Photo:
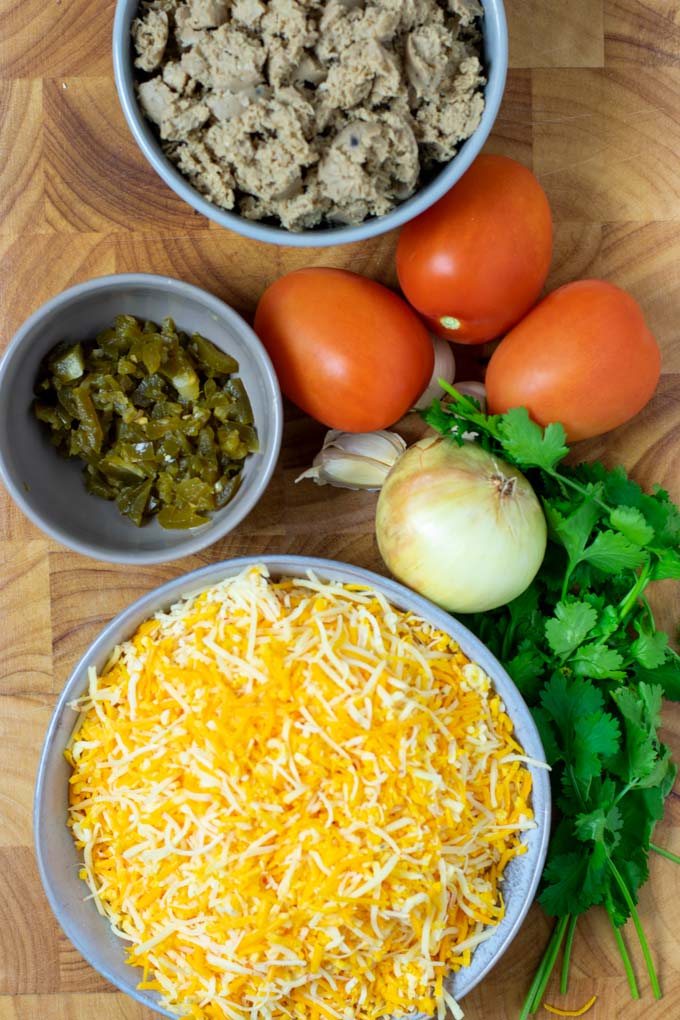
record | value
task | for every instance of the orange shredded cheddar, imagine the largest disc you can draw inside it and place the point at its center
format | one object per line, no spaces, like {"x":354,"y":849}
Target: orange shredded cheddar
{"x":571,"y":1012}
{"x":294,"y":800}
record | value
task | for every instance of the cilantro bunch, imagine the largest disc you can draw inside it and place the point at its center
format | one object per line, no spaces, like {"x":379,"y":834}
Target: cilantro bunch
{"x":582,"y":646}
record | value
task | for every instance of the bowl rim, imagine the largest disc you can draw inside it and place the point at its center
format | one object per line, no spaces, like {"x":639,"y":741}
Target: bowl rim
{"x":494,"y":14}
{"x":125,"y":622}
{"x":266,"y":466}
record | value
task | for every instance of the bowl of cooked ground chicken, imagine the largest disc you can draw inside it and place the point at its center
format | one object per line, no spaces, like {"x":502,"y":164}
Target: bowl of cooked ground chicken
{"x":288,"y":787}
{"x":304,"y":123}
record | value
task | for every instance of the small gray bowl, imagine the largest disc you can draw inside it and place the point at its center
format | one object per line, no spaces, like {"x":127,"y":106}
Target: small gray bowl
{"x":58,"y":859}
{"x":50,"y":489}
{"x":495,"y":33}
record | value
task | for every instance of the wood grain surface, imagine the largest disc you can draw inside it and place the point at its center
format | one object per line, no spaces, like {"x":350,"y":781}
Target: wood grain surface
{"x":593,"y":105}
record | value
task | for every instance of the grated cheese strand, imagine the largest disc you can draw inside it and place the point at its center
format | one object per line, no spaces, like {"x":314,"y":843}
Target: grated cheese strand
{"x":571,"y":1012}
{"x":294,"y":800}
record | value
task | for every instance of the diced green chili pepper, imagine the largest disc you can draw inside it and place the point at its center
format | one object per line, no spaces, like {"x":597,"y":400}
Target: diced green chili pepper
{"x":67,"y":365}
{"x":158,"y":419}
{"x":132,"y":501}
{"x":211,"y":357}
{"x":173,"y":517}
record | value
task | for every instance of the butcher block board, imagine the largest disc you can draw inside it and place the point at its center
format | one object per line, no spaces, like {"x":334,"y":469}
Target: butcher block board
{"x":593,"y":106}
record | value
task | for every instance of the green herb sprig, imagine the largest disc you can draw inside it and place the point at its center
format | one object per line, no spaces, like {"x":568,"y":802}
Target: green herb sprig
{"x":583,"y":647}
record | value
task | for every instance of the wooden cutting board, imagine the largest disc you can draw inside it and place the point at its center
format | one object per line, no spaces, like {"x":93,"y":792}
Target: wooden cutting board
{"x":593,"y":105}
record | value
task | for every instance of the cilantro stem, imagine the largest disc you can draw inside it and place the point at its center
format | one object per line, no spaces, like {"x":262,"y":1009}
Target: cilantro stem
{"x":626,"y":790}
{"x":563,"y":480}
{"x":648,"y":609}
{"x":566,"y":959}
{"x":470,"y":409}
{"x":625,"y":892}
{"x":627,"y":965}
{"x":665,"y":853}
{"x":629,"y":601}
{"x":545,"y":969}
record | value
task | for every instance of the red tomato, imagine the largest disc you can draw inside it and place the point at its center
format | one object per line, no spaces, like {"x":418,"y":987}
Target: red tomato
{"x":480,"y":255}
{"x":347,"y":350}
{"x":583,"y":357}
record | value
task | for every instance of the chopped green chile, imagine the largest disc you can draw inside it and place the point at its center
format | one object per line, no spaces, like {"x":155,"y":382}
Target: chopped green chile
{"x":158,"y":417}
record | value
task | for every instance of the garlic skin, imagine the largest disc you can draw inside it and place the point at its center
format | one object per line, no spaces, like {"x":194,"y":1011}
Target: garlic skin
{"x":355,"y":460}
{"x":444,"y":368}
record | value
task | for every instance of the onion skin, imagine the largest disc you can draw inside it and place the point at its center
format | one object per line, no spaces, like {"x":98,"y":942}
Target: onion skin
{"x":460,"y":526}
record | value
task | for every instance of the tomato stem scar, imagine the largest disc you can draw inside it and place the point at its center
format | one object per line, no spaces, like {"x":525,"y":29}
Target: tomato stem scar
{"x":448,"y":322}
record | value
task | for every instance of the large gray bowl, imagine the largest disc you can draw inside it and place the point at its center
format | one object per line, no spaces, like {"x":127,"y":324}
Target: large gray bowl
{"x":50,"y":489}
{"x":496,"y":62}
{"x":58,"y":860}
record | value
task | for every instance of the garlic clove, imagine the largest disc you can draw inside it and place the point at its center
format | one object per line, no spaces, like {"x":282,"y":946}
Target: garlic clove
{"x":355,"y":460}
{"x":444,"y":368}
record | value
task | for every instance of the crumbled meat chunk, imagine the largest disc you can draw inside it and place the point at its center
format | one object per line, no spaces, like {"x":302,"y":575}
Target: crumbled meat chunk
{"x":304,"y":111}
{"x":270,"y":138}
{"x":174,"y":76}
{"x":176,"y":116}
{"x":227,"y":58}
{"x":431,"y":60}
{"x":186,"y":32}
{"x":467,"y":10}
{"x":300,"y":211}
{"x":155,"y":98}
{"x":287,"y":34}
{"x":208,"y":13}
{"x":248,"y":13}
{"x":208,"y":175}
{"x":448,"y":119}
{"x":150,"y":35}
{"x":309,"y":71}
{"x":372,"y":163}
{"x":226,"y":105}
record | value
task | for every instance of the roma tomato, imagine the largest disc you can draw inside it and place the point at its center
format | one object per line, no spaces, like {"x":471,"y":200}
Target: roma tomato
{"x":583,"y":357}
{"x":475,"y":262}
{"x":347,"y":350}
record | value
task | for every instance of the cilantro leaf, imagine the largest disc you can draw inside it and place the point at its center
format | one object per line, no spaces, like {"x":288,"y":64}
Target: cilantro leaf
{"x":526,"y":670}
{"x":602,"y":824}
{"x":546,"y":732}
{"x":629,"y":521}
{"x":666,"y":676}
{"x":620,"y":490}
{"x":612,"y":552}
{"x":575,"y":728}
{"x":573,"y":882}
{"x":649,"y":649}
{"x":570,"y":626}
{"x":596,"y":738}
{"x":599,"y":662}
{"x":575,"y":530}
{"x":666,"y":565}
{"x":564,"y":699}
{"x":638,"y":757}
{"x":528,"y":444}
{"x":438,"y":418}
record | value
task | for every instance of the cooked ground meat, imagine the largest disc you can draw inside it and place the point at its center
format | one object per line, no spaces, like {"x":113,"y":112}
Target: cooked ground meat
{"x":308,"y":112}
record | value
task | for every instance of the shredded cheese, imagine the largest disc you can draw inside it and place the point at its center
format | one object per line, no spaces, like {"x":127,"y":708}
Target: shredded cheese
{"x":294,"y":800}
{"x":571,"y":1012}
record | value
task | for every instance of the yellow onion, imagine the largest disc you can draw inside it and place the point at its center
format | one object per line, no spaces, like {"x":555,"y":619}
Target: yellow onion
{"x":460,"y":526}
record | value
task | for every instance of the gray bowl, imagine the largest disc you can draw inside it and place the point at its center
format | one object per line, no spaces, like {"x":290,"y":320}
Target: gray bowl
{"x":50,"y":489}
{"x":58,"y":859}
{"x":496,"y":62}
